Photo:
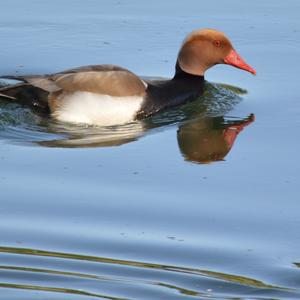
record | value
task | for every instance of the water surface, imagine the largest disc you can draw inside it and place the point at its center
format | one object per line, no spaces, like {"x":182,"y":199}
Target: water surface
{"x":198,"y":202}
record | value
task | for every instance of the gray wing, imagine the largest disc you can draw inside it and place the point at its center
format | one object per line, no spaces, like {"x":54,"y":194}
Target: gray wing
{"x":102,"y":79}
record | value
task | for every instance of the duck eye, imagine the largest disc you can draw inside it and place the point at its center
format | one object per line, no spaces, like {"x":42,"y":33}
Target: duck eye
{"x":217,"y":43}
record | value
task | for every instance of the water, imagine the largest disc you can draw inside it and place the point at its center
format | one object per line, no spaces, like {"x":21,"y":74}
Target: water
{"x":145,"y":211}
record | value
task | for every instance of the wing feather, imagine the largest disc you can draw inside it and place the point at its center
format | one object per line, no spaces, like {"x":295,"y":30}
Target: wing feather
{"x":102,"y":79}
{"x":113,"y":83}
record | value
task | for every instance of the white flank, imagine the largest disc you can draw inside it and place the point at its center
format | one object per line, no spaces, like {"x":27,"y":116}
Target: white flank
{"x":96,"y":109}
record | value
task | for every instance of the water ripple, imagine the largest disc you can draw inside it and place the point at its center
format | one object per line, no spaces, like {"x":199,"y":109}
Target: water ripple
{"x":110,"y":278}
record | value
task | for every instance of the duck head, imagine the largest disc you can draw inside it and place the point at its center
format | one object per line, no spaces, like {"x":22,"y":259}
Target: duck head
{"x":205,"y":48}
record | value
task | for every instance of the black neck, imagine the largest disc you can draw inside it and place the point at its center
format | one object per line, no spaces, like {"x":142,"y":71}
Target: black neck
{"x":180,"y":74}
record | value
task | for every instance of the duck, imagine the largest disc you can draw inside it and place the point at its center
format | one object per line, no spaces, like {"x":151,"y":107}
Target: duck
{"x":107,"y":95}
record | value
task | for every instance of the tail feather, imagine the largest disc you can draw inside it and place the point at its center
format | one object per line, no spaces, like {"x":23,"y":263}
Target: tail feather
{"x":7,"y":97}
{"x":9,"y":91}
{"x":26,"y":94}
{"x":3,"y":94}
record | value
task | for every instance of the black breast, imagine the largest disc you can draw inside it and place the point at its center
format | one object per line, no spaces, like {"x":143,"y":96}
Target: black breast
{"x":162,"y":94}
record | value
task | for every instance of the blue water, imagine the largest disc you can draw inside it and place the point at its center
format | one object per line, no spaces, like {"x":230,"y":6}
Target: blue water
{"x":142,"y":211}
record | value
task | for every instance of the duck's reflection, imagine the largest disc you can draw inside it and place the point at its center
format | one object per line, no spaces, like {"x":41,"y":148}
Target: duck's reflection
{"x":201,"y":140}
{"x":92,"y":137}
{"x":209,"y":139}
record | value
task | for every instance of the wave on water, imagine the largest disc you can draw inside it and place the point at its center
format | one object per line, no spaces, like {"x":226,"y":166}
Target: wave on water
{"x":87,"y":276}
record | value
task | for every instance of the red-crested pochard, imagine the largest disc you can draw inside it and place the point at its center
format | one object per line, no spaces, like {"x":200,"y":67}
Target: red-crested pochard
{"x":108,"y":94}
